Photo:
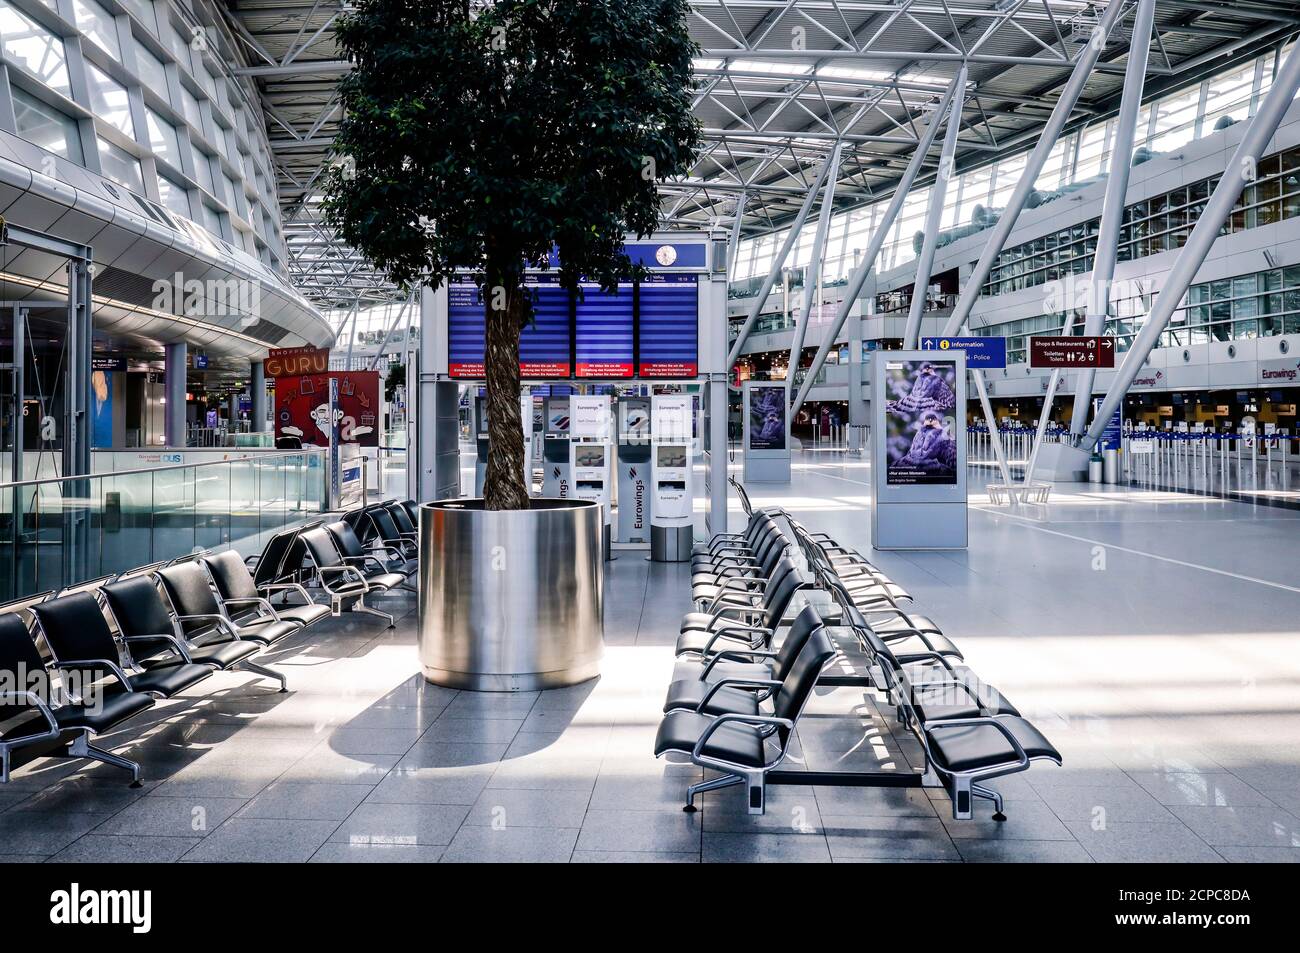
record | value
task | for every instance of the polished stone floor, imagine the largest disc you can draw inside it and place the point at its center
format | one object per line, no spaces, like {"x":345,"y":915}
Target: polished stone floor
{"x":1152,"y":636}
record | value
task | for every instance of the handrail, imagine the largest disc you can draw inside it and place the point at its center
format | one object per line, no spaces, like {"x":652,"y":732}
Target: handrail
{"x":173,"y":466}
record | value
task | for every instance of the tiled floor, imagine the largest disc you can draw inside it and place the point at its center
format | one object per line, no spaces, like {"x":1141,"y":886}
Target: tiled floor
{"x":1152,"y":636}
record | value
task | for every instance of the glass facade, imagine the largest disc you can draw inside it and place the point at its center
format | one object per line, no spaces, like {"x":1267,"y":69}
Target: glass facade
{"x":1255,"y":305}
{"x":146,"y":88}
{"x":1161,"y":223}
{"x":1168,"y":123}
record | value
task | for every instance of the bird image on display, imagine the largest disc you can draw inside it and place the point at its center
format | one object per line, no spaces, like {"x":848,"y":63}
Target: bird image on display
{"x":929,"y":392}
{"x":933,"y":448}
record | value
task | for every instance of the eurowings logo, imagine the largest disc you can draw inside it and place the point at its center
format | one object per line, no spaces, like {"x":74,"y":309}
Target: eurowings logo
{"x":555,"y":472}
{"x":631,"y":471}
{"x":1282,"y":374}
{"x":1149,"y":381}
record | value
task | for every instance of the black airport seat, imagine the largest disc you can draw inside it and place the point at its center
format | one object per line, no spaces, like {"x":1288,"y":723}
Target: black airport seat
{"x":373,"y":564}
{"x":343,"y":582}
{"x":737,"y":743}
{"x":199,"y":612}
{"x":729,"y":624}
{"x":156,"y":637}
{"x":80,"y":640}
{"x":694,"y":680}
{"x":239,"y":595}
{"x":385,"y":530}
{"x":34,"y":728}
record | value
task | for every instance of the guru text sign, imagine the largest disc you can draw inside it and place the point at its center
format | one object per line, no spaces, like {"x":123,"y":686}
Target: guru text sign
{"x":981,"y":352}
{"x":296,"y":361}
{"x":1071,"y":351}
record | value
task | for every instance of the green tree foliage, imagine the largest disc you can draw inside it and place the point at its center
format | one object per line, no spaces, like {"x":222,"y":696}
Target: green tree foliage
{"x":481,"y":136}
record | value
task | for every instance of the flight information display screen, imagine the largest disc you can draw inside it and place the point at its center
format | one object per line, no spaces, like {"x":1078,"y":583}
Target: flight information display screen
{"x":544,"y":344}
{"x":668,"y":331}
{"x":545,"y":348}
{"x":603,"y":332}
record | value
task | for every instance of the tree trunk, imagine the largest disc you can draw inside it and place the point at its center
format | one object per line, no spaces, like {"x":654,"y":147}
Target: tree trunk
{"x":503,"y":488}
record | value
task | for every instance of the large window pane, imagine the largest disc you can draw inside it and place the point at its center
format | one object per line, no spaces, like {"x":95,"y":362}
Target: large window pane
{"x":162,"y":138}
{"x":98,"y":26}
{"x":47,"y":127}
{"x":190,"y":106}
{"x":34,"y":48}
{"x":120,"y":166}
{"x":152,"y":74}
{"x":108,"y":100}
{"x":173,"y":196}
{"x":203,"y":170}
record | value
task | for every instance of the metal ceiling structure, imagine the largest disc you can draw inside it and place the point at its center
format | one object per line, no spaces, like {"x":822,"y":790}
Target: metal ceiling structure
{"x":781,"y":82}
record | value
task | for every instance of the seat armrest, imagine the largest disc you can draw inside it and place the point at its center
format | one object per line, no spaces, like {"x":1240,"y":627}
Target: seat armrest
{"x":736,"y":634}
{"x":768,"y":684}
{"x":176,"y":643}
{"x":734,"y":655}
{"x":1022,"y":759}
{"x":756,"y":721}
{"x":295,"y":586}
{"x":221,"y":621}
{"x":97,"y":663}
{"x":33,"y":699}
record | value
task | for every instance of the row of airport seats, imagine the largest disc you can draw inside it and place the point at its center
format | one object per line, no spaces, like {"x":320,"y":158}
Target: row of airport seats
{"x":79,"y":663}
{"x":747,"y":665}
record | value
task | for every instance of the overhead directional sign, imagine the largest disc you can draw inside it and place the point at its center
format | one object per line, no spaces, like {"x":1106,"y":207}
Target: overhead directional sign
{"x":981,"y":352}
{"x":1071,"y":351}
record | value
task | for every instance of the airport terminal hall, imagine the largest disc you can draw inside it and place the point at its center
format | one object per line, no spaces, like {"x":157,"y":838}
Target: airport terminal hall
{"x":651,"y":431}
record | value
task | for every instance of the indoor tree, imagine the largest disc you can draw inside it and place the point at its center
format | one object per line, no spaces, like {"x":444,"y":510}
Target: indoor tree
{"x":484,"y":136}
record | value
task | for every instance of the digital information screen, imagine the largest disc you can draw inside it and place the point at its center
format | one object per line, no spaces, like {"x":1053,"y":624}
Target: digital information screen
{"x":544,"y":344}
{"x":668,"y":334}
{"x":920,"y":400}
{"x":465,"y":330}
{"x":603,"y":333}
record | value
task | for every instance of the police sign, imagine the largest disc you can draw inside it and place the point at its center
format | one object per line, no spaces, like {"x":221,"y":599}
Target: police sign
{"x":981,"y":353}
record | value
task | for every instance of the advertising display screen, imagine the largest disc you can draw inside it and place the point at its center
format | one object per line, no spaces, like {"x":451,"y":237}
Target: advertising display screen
{"x":920,"y":399}
{"x":767,"y":417}
{"x":667,"y":337}
{"x":603,"y":333}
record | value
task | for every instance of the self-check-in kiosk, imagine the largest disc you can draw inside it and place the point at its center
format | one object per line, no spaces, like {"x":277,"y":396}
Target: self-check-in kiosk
{"x":557,"y":478}
{"x":481,"y":456}
{"x":672,"y":509}
{"x":591,"y":454}
{"x":634,"y":470}
{"x":672,"y":526}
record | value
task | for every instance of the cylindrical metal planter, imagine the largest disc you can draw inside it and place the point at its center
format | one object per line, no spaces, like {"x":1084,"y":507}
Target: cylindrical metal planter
{"x":511,"y":600}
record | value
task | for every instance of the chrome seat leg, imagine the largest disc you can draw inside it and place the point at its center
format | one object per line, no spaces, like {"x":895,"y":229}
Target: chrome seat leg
{"x":271,"y":673}
{"x":985,"y":792}
{"x":713,"y":784}
{"x":362,"y":607}
{"x":82,"y":748}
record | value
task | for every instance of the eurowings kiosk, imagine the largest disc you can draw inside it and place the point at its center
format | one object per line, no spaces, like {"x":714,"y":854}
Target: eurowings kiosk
{"x":634,"y":496}
{"x":557,"y":474}
{"x":918,"y":455}
{"x":672,"y":509}
{"x":591,"y":453}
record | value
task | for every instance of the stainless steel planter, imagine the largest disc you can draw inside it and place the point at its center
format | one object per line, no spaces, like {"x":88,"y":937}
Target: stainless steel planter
{"x":511,"y":600}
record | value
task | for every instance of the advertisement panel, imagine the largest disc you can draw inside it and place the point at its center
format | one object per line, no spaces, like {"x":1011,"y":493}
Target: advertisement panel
{"x":296,"y":361}
{"x":921,"y":445}
{"x":767,"y":417}
{"x":302,"y":408}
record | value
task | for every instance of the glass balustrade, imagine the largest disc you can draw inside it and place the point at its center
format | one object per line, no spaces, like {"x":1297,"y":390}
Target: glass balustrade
{"x":58,"y":532}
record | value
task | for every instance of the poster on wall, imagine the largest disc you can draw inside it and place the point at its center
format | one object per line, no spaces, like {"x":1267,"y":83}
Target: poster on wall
{"x":921,"y":447}
{"x":302,"y":408}
{"x":767,"y":413}
{"x":101,"y":390}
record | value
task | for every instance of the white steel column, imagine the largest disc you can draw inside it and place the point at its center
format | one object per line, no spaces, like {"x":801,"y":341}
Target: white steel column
{"x":777,"y":264}
{"x":812,"y":278}
{"x":860,"y":273}
{"x":1112,"y":211}
{"x":1240,"y":171}
{"x":934,"y":215}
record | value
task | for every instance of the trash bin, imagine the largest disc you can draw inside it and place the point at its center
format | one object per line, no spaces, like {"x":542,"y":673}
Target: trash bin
{"x":1095,"y":468}
{"x":1110,"y":465}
